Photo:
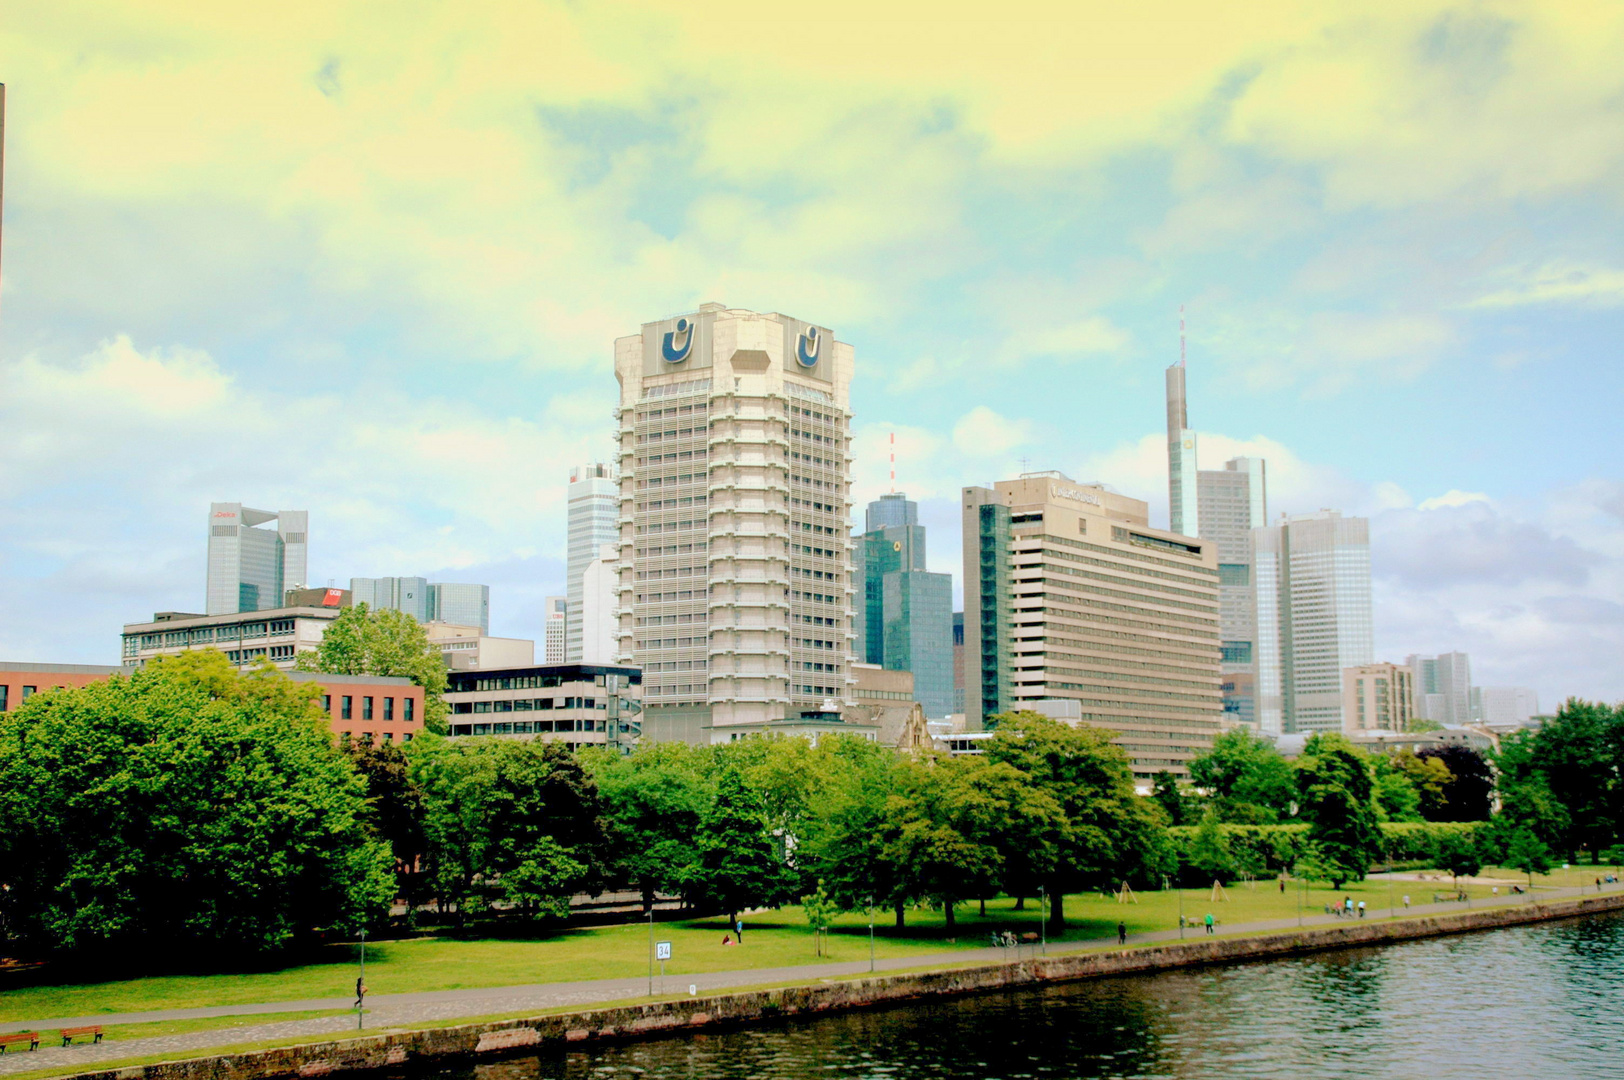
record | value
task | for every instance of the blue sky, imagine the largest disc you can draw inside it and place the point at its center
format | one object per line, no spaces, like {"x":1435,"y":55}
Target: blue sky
{"x":369,"y":260}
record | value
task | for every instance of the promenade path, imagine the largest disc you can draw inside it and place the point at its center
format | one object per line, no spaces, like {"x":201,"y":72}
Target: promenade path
{"x":386,"y":1011}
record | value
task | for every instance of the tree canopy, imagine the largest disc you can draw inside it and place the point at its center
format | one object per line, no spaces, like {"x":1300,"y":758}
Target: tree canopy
{"x":385,"y":642}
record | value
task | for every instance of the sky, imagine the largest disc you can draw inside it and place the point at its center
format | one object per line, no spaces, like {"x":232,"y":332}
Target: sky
{"x":369,"y":260}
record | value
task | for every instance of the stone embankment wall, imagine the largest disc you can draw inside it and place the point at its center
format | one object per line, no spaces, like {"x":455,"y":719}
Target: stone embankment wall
{"x":394,"y":1049}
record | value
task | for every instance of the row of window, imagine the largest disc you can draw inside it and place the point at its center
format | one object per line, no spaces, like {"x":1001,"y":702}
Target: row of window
{"x":529,"y":682}
{"x":527,"y":705}
{"x":529,"y":727}
{"x":346,"y":707}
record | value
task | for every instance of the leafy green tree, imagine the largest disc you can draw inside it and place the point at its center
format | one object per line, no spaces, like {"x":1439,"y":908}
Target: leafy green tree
{"x":850,"y":843}
{"x":1165,"y":790}
{"x":1395,"y":793}
{"x":820,"y":914}
{"x":1246,"y":778}
{"x":1528,"y":853}
{"x":384,"y":642}
{"x":394,"y":809}
{"x":1334,"y":791}
{"x":1210,"y":852}
{"x":653,"y":802}
{"x":739,"y":861}
{"x":1580,"y":754}
{"x":1430,"y":777}
{"x":1107,"y":834}
{"x":1460,"y":854}
{"x":1469,"y":793}
{"x":185,"y":810}
{"x":515,"y":821}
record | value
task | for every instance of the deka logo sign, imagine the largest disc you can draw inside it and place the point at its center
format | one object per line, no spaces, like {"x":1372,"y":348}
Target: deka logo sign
{"x":678,"y":343}
{"x":807,"y":346}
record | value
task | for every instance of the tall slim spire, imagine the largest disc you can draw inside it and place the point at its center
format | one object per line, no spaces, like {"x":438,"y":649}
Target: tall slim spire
{"x":1181,"y":453}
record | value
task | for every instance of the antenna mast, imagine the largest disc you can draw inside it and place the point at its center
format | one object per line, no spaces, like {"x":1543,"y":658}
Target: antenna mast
{"x":1181,"y":336}
{"x":893,"y":463}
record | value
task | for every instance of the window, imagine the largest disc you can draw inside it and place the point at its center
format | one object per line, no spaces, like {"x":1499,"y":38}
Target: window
{"x":5,"y":692}
{"x":347,"y":708}
{"x":28,"y":692}
{"x":388,"y":708}
{"x":366,"y":708}
{"x":327,"y":703}
{"x":406,"y":710}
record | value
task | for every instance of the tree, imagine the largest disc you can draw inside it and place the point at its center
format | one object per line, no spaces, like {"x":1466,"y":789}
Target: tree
{"x":384,"y":642}
{"x":1430,"y":777}
{"x":850,"y":844}
{"x":820,"y":914}
{"x":1528,"y":853}
{"x":507,"y":820}
{"x":1209,"y":852}
{"x":394,"y":809}
{"x":187,"y":810}
{"x":1460,"y":854}
{"x":1165,"y":790}
{"x":739,"y":862}
{"x":1395,"y":793}
{"x":653,"y":801}
{"x":1469,"y":793}
{"x":1578,"y":753}
{"x":1105,"y":834}
{"x":1246,"y":778}
{"x":1334,"y":791}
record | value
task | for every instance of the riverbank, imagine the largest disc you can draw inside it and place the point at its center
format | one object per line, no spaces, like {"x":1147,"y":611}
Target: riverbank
{"x":402,"y":1047}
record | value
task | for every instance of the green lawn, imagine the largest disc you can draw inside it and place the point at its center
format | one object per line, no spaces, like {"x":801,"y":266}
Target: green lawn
{"x":772,"y":939}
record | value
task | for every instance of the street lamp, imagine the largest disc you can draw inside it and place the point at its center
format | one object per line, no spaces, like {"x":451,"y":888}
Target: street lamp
{"x":871,"y":934}
{"x":361,"y":985}
{"x":1043,"y":918}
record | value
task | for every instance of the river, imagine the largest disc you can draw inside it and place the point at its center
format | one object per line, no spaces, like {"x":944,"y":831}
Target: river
{"x":1542,"y":1001}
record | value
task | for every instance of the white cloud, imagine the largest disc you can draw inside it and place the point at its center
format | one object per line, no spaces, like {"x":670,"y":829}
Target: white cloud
{"x":1452,"y":498}
{"x":1558,"y":283}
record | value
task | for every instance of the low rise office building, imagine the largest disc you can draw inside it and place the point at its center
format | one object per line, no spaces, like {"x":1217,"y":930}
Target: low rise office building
{"x":468,"y":648}
{"x":1377,"y":697}
{"x":578,"y":704}
{"x":278,"y":635}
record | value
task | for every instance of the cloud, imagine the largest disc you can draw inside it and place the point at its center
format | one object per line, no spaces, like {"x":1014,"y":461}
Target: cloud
{"x":1469,"y":541}
{"x":1327,"y":352}
{"x":1084,"y":337}
{"x":1453,"y":498}
{"x":1559,"y":283}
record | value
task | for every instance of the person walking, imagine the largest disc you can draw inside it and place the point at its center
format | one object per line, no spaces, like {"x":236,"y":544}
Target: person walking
{"x":1361,"y":909}
{"x":1209,"y":922}
{"x":1406,"y":899}
{"x":739,"y":927}
{"x":1122,"y":933}
{"x":360,"y":993}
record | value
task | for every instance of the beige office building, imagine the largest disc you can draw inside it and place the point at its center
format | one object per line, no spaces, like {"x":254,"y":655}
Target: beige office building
{"x":735,"y":591}
{"x":1070,"y":595}
{"x":1377,"y":697}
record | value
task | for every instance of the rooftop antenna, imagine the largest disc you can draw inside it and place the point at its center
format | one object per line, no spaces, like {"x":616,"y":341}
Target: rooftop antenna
{"x":1181,"y":336}
{"x":893,"y":463}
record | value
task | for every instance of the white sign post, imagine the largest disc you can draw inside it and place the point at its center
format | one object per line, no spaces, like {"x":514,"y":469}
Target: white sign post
{"x":662,"y":953}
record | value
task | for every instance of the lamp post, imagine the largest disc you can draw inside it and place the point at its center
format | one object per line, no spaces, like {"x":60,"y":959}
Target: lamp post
{"x":361,"y":985}
{"x":651,"y":948}
{"x":1180,"y":894}
{"x":871,"y":934}
{"x":1043,"y":918}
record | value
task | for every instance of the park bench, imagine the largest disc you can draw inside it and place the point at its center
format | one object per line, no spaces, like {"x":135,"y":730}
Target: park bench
{"x":29,"y":1037}
{"x":70,"y":1034}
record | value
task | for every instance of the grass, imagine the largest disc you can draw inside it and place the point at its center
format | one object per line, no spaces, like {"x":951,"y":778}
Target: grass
{"x":772,"y":939}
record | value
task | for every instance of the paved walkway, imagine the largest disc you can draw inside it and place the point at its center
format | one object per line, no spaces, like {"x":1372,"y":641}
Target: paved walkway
{"x":402,"y":1010}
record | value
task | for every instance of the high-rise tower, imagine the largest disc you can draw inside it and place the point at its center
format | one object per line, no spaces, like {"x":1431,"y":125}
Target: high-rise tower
{"x":1233,"y":501}
{"x":735,"y":575}
{"x":1183,"y":515}
{"x":250,"y":568}
{"x":594,"y":507}
{"x":905,"y":612}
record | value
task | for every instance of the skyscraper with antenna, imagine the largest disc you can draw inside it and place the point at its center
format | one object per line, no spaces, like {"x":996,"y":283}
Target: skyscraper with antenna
{"x":1181,"y":452}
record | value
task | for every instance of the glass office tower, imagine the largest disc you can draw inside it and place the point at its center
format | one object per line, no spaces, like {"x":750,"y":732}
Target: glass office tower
{"x":250,"y":567}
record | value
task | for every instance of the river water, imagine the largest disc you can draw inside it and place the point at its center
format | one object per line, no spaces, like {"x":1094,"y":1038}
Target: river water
{"x":1543,"y":1001}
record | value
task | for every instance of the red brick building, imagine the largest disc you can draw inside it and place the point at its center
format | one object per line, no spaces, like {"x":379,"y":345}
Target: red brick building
{"x":359,"y":706}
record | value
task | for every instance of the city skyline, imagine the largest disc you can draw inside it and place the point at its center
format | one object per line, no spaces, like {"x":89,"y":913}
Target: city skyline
{"x":1403,"y":328}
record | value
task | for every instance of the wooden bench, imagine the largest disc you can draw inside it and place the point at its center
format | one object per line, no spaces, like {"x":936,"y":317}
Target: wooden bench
{"x":12,"y":1038}
{"x":70,"y":1034}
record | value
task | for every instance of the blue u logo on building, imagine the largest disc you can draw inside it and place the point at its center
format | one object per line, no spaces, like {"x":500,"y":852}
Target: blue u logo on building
{"x":806,"y":347}
{"x":678,"y":343}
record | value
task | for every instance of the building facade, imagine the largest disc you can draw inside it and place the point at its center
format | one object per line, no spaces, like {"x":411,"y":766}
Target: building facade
{"x":371,"y":707}
{"x":1505,"y":708}
{"x":1312,"y":575}
{"x":600,"y":626}
{"x":1233,"y":501}
{"x":460,"y":604}
{"x":594,"y":514}
{"x":249,"y":567}
{"x":906,"y":611}
{"x":1182,"y":483}
{"x":278,"y":635}
{"x":408,"y":594}
{"x":1069,"y":594}
{"x":1443,"y":687}
{"x":735,"y":592}
{"x":1377,"y":697}
{"x":553,"y":630}
{"x":467,"y":648}
{"x":577,"y":704}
